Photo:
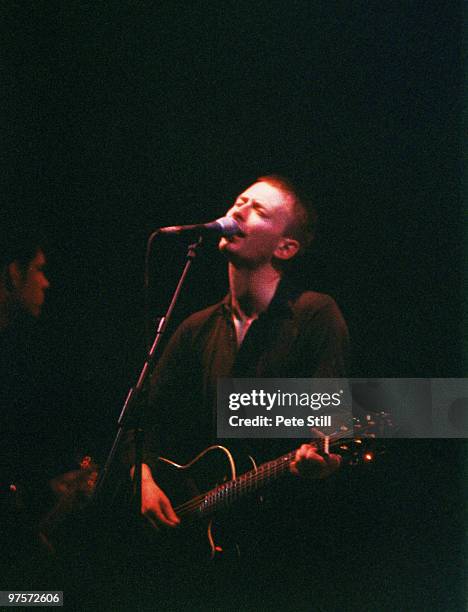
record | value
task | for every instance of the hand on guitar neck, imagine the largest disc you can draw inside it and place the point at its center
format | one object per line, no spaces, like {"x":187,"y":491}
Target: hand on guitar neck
{"x":310,"y":463}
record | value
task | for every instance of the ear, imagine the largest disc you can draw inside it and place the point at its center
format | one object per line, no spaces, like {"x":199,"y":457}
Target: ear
{"x":287,"y":248}
{"x":14,"y":275}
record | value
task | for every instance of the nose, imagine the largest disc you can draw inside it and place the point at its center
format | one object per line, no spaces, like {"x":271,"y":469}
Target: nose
{"x":241,"y":211}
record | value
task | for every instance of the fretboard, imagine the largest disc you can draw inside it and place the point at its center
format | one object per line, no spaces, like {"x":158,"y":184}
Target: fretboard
{"x":229,"y":492}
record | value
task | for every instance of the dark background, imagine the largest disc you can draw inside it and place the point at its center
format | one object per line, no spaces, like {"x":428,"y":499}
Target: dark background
{"x":118,"y":118}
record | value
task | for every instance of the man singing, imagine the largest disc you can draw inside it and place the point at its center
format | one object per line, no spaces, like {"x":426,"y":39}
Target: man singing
{"x":263,"y":328}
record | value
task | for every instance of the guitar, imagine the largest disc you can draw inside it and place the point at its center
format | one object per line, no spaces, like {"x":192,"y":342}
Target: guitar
{"x":197,"y":496}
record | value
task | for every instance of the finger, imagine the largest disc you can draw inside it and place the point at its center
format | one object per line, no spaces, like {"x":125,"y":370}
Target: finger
{"x":302,"y":452}
{"x":307,"y":447}
{"x":314,"y":457}
{"x":334,"y":461}
{"x":168,"y":511}
{"x":159,"y":517}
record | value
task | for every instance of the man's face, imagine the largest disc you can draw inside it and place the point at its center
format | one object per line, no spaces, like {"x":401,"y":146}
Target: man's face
{"x":263,"y":213}
{"x":31,"y":284}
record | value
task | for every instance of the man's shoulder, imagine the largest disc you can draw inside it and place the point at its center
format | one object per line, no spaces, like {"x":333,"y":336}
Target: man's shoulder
{"x":318,"y":311}
{"x":311,"y":302}
{"x":201,"y":317}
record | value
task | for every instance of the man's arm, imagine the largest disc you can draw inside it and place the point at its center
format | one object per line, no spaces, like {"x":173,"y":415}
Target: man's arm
{"x":327,"y":338}
{"x":328,"y":346}
{"x":164,"y":391}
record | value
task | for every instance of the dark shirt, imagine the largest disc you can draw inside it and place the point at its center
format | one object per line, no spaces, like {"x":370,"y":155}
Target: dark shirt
{"x":300,"y":335}
{"x":37,"y":433}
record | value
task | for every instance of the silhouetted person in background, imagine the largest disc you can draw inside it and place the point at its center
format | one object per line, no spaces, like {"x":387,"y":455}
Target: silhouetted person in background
{"x":23,"y":360}
{"x":37,"y":441}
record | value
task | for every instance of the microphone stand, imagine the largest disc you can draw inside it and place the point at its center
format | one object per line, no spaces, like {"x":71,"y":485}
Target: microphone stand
{"x":136,"y":391}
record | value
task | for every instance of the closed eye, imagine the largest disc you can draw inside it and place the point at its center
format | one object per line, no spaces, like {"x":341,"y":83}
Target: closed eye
{"x":260,"y":210}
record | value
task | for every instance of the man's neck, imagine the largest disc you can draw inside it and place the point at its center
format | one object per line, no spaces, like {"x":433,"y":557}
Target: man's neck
{"x":252,"y":290}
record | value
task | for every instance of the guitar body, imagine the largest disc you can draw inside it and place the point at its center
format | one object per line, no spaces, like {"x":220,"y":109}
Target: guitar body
{"x":187,"y":486}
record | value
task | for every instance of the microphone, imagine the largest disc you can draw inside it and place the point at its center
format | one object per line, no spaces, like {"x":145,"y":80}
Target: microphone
{"x":225,"y":226}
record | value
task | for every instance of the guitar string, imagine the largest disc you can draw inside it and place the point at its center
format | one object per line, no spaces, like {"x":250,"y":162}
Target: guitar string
{"x":225,"y":496}
{"x":241,"y":481}
{"x":238,"y":486}
{"x":234,"y":487}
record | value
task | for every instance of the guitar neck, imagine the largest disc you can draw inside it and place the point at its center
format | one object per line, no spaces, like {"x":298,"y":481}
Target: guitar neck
{"x":229,"y":492}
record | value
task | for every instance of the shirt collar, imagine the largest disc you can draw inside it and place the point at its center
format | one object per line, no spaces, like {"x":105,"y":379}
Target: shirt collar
{"x":279,"y":305}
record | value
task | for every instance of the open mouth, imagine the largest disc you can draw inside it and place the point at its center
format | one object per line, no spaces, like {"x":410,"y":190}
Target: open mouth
{"x":239,"y":233}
